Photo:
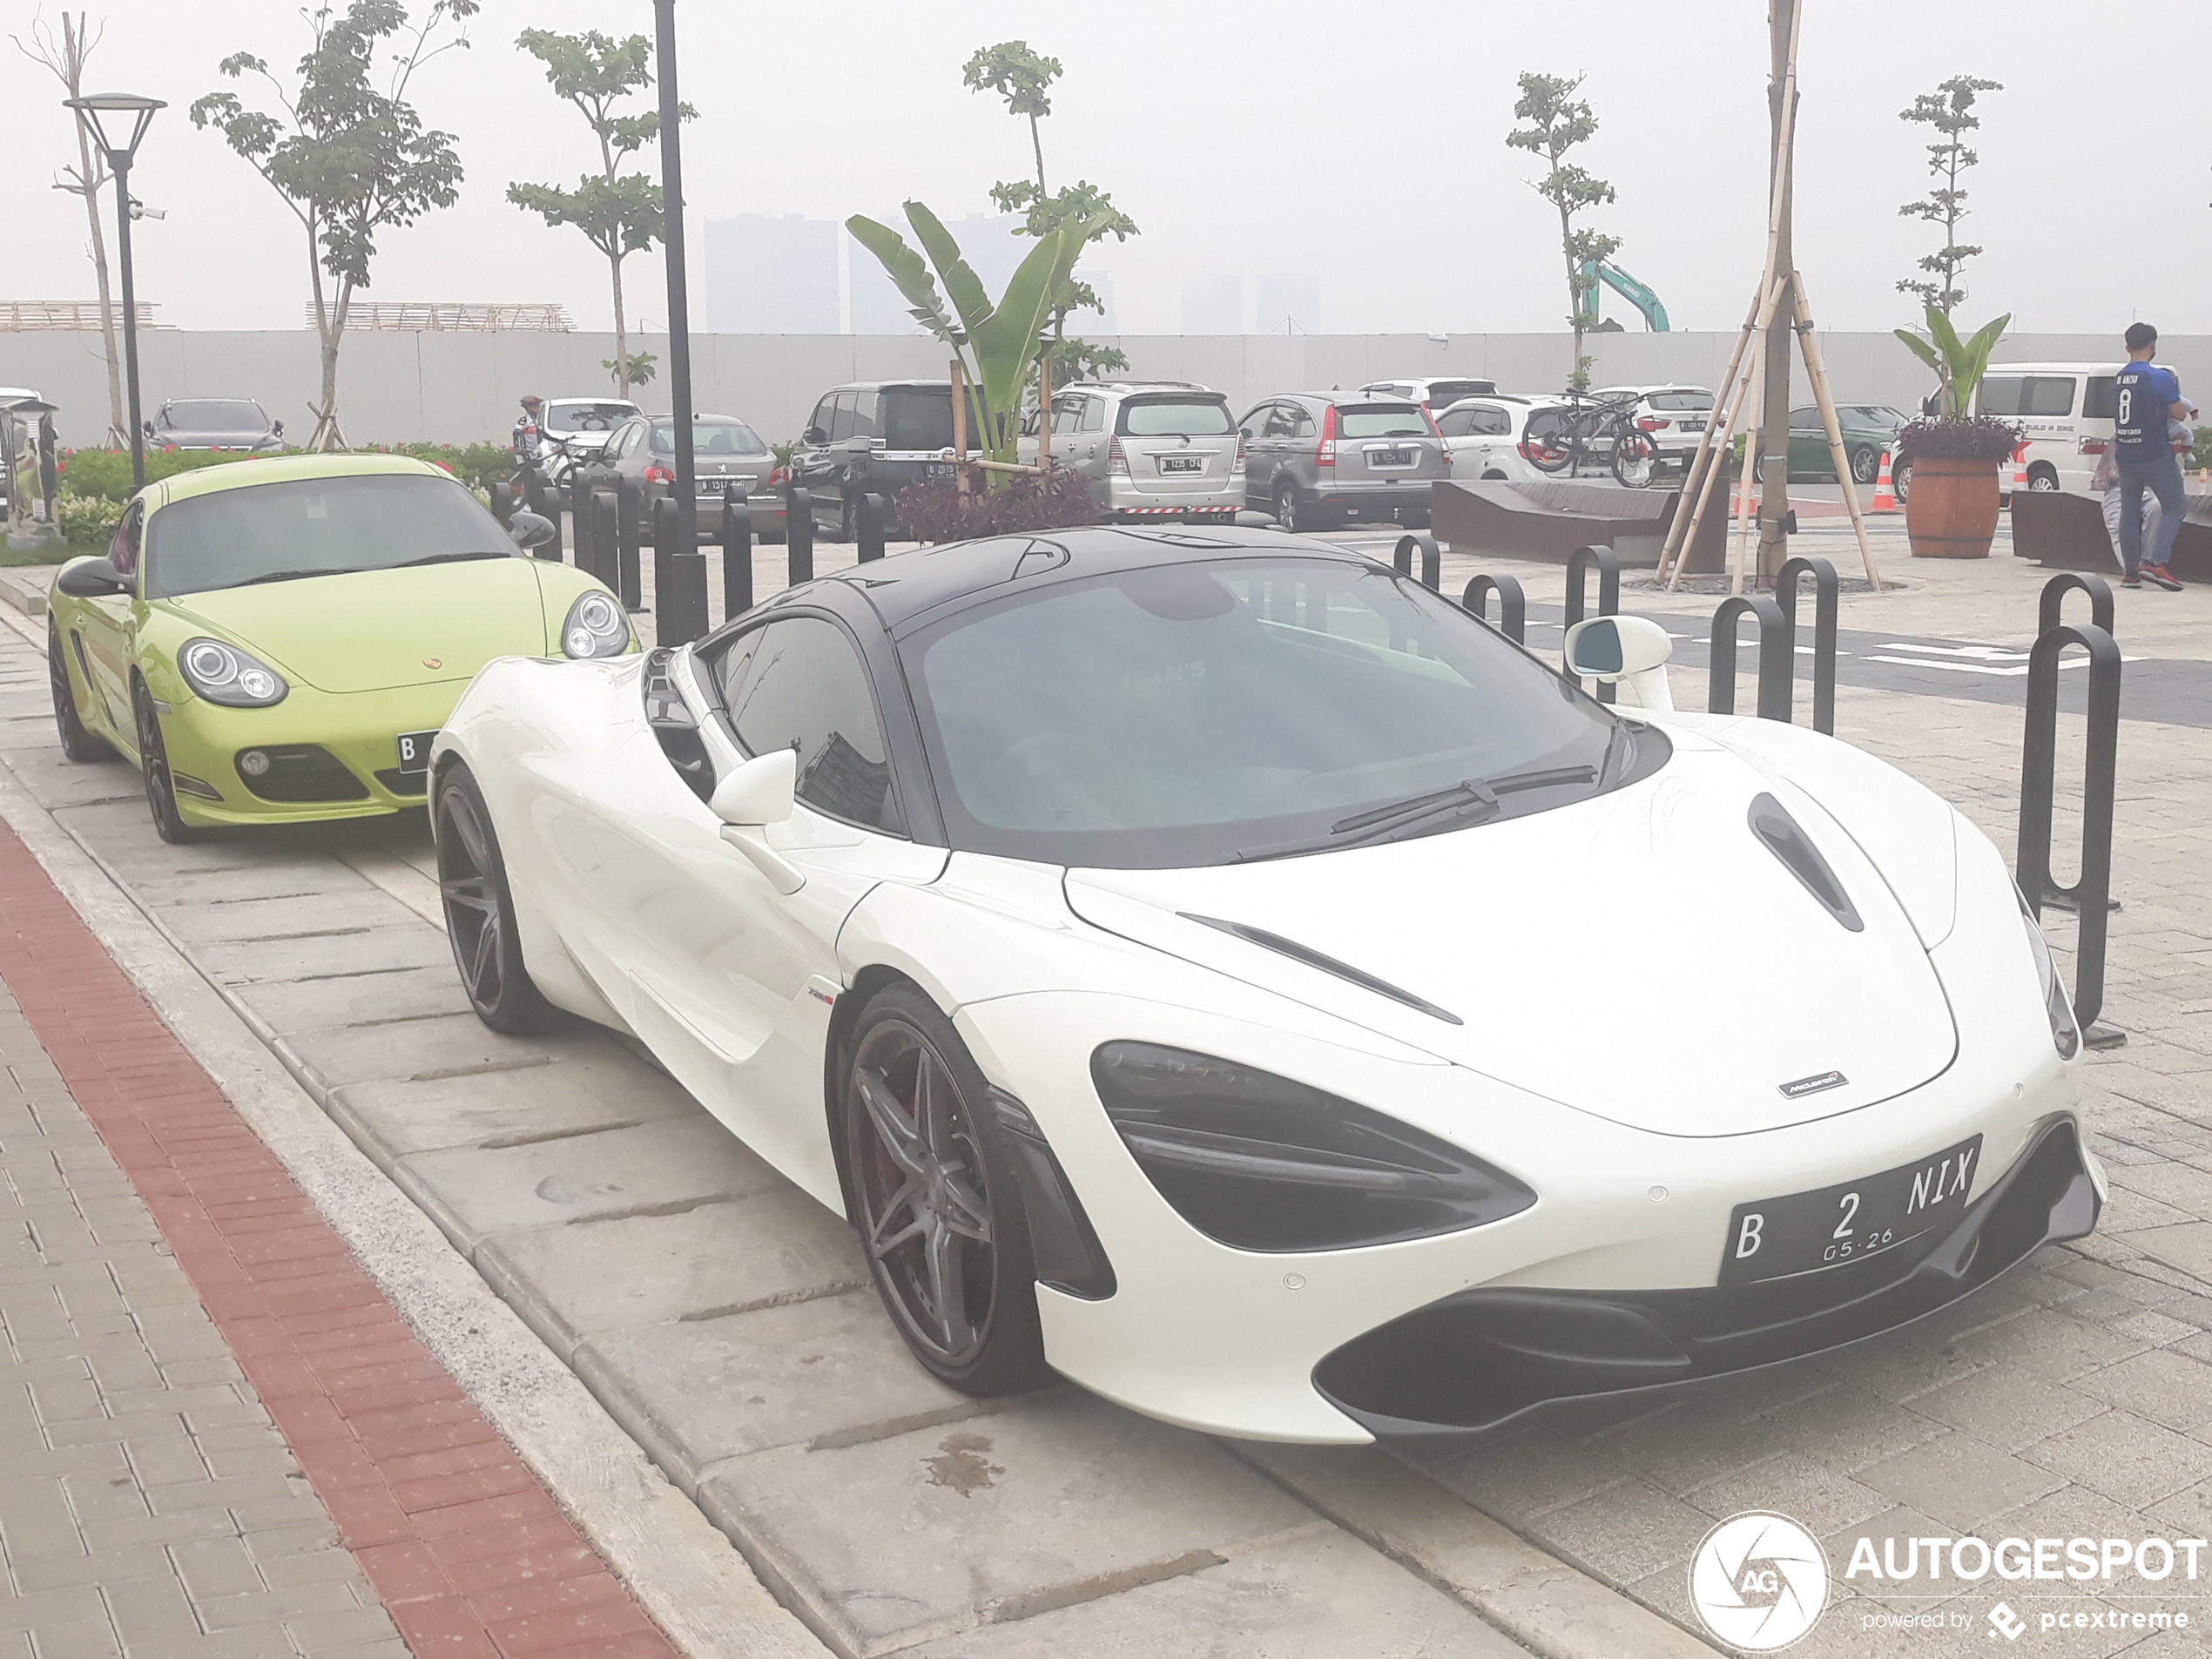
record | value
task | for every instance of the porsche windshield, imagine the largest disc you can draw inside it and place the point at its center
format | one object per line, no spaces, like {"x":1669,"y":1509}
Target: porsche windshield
{"x":310,"y":527}
{"x":1210,"y":711}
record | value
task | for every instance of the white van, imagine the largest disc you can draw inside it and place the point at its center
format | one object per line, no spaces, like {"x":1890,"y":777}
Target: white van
{"x":2067,"y":409}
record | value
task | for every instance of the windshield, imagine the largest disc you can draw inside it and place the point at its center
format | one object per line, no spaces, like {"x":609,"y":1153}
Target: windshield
{"x":1189,"y":713}
{"x":1161,"y":417}
{"x":1373,"y":421}
{"x":562,"y":419}
{"x":710,"y":438}
{"x":215,"y":414}
{"x":1680,"y":401}
{"x":314,"y":527}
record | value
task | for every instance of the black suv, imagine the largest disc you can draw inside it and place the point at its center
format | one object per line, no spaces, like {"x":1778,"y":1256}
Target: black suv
{"x":875,"y":436}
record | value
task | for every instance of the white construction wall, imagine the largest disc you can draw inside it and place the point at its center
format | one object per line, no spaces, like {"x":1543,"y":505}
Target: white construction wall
{"x":457,"y":388}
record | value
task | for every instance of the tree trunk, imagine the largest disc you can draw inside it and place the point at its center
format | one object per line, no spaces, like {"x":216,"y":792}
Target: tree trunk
{"x":1036,"y":143}
{"x":330,"y":329}
{"x":621,"y":332}
{"x":1575,"y":378}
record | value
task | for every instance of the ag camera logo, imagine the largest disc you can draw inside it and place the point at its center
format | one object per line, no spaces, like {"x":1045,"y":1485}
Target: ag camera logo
{"x":1759,"y":1582}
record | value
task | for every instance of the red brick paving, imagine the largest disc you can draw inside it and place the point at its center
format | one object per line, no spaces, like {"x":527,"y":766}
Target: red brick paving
{"x":470,"y":1554}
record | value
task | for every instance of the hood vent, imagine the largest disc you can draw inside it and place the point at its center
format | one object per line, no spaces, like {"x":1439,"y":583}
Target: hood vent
{"x":1771,"y":823}
{"x":1313,"y":958}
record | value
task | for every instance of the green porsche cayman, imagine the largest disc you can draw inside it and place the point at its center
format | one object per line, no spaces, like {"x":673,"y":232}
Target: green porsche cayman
{"x":279,"y":640}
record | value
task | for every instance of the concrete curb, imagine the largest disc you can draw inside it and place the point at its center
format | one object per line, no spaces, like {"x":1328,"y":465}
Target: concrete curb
{"x":28,"y":597}
{"x":1539,"y":1600}
{"x":673,"y":1559}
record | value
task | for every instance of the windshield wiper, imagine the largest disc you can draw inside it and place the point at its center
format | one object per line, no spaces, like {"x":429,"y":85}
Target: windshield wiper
{"x":444,"y":559}
{"x":1399,"y":819}
{"x":294,"y":576}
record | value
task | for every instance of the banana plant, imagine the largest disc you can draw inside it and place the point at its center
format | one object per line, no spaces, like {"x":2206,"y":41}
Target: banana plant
{"x":996,"y":344}
{"x":1958,"y":363}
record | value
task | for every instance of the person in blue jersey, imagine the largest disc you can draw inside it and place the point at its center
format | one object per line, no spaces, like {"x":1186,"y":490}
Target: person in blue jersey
{"x":2146,"y":398}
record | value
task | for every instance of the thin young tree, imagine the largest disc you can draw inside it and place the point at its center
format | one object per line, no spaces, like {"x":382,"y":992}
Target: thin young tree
{"x":619,"y":214}
{"x":64,"y":58}
{"x":1950,"y":111}
{"x":1556,"y":122}
{"x":1024,"y":79}
{"x":348,"y":157}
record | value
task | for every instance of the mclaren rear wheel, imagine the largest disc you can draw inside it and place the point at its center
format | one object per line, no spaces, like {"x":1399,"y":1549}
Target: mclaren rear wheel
{"x":480,"y":911}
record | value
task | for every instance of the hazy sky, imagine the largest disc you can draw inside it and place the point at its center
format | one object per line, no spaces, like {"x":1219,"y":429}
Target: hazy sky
{"x":1362,"y":143}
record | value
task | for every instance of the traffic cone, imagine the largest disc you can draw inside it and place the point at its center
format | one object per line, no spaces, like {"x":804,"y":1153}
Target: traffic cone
{"x":1884,"y":491}
{"x":2019,"y":470}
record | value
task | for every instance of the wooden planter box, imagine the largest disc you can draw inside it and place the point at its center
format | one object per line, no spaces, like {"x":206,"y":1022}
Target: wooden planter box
{"x":1952,"y":513}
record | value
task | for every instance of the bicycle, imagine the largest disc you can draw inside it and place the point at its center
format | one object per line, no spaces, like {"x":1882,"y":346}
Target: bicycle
{"x":1601,"y":431}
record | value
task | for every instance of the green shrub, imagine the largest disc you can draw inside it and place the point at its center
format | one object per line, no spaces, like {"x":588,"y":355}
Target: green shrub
{"x":88,"y":522}
{"x":106,"y":473}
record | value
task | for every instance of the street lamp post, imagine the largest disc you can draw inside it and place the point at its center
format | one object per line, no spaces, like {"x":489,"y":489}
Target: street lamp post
{"x":100,"y":109}
{"x":681,"y":615}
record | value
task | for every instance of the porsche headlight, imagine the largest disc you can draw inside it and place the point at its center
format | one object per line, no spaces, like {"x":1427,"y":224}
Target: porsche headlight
{"x":2064,"y":1032}
{"x":226,"y":675}
{"x":1261,"y":1162}
{"x":596,"y":626}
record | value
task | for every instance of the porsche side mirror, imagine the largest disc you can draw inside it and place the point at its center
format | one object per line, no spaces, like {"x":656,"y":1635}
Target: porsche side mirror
{"x":1623,"y":650}
{"x":760,"y":792}
{"x":531,"y":530}
{"x":93,"y":579}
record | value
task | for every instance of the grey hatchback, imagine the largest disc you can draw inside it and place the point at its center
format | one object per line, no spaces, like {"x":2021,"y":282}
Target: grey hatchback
{"x":1319,"y":458}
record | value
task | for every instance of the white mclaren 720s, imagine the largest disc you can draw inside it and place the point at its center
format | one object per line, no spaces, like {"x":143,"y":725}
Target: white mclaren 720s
{"x":1215,"y":968}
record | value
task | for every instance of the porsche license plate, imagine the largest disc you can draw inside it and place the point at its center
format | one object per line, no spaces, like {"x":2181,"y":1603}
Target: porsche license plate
{"x":414,"y":749}
{"x":1807,"y":1232}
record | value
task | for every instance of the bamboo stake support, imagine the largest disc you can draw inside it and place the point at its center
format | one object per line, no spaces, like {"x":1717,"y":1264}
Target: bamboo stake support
{"x":1755,"y":410}
{"x":1816,"y":371}
{"x":1714,"y":445}
{"x":960,"y":429}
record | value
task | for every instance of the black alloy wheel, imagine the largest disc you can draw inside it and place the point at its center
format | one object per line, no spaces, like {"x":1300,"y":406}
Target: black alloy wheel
{"x":153,"y":763}
{"x":934,"y":1200}
{"x":480,"y":912}
{"x":1865,"y":466}
{"x":77,"y":741}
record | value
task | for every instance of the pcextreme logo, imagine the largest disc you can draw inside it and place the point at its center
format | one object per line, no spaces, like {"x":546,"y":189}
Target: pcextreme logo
{"x":1759,"y":1582}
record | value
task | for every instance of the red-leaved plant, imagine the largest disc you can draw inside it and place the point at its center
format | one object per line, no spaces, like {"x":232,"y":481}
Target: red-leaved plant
{"x":936,"y":511}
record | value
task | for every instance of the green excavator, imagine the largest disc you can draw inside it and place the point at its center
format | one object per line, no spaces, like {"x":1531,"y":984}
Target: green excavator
{"x":1593,"y":272}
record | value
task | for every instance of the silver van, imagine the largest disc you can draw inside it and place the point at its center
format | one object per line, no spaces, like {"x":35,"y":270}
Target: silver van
{"x":1315,"y":459}
{"x":1151,"y":449}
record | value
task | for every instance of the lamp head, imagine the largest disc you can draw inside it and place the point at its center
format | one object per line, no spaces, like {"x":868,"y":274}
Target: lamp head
{"x":119,"y":119}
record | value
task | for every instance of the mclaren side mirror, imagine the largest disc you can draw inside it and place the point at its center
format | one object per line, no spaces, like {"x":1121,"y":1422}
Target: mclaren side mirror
{"x":531,"y":530}
{"x":760,"y":791}
{"x":93,"y":579}
{"x":1623,"y":650}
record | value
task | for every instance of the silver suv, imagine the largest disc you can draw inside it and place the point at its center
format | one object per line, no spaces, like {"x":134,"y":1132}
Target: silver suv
{"x":1315,"y":459}
{"x":1151,"y":449}
{"x":1433,"y":394}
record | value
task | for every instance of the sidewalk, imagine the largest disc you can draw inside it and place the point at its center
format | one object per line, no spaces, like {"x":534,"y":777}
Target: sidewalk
{"x":217,"y":1438}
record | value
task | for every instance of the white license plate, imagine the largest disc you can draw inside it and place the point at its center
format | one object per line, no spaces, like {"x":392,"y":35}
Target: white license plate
{"x":1183,"y":463}
{"x":1390,"y":457}
{"x":414,"y":749}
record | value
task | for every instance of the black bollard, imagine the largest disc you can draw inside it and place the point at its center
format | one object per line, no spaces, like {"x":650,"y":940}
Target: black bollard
{"x":1777,"y":657}
{"x":1401,"y":559}
{"x":606,"y":520}
{"x":627,"y":530}
{"x":868,"y":527}
{"x":736,"y":554}
{"x":587,"y":558}
{"x":799,"y":536}
{"x":1513,"y":604}
{"x":668,"y":529}
{"x":1824,"y":589}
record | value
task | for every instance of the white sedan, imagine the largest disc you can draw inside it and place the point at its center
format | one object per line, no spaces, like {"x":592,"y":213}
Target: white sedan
{"x":1217,"y":969}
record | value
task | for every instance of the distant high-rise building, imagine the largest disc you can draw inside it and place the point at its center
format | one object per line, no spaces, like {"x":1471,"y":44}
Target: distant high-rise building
{"x":1289,"y":303}
{"x":992,"y":244}
{"x":1213,"y":305}
{"x":771,"y":274}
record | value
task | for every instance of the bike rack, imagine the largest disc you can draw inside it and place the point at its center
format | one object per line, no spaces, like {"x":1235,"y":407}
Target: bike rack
{"x":1777,"y":657}
{"x":2048,"y":618}
{"x":2039,"y":756}
{"x":1825,"y":589}
{"x":628,"y":510}
{"x":798,"y":535}
{"x":1513,"y":604}
{"x":736,"y":554}
{"x":503,"y":504}
{"x":869,"y":515}
{"x":1401,"y":559}
{"x":606,"y":520}
{"x":1609,"y":591}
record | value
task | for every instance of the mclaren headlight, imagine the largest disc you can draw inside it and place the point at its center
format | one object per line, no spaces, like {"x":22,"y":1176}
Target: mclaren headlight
{"x":597,"y":626}
{"x":1261,"y":1162}
{"x":2064,"y":1032}
{"x":226,"y":675}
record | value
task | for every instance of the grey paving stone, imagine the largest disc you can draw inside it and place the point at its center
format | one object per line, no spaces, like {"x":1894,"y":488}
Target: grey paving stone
{"x":1319,"y":1597}
{"x":387,"y":1000}
{"x":1528,"y":1474}
{"x":699,"y":1392}
{"x":2167,"y":1387}
{"x":1624,"y":1533}
{"x":473,"y":1191}
{"x":329,"y":905}
{"x":768,"y":1246}
{"x":2006,"y":1406}
{"x":400,"y":944}
{"x":1960,"y":1480}
{"x":1035,"y":1502}
{"x":448,"y":1045}
{"x":595,"y":1087}
{"x":2127,"y":1458}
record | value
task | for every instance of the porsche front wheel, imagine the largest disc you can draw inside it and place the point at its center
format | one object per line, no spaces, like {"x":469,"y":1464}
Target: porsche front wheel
{"x":480,"y":912}
{"x":153,"y":764}
{"x":934,"y":1199}
{"x":77,"y":740}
